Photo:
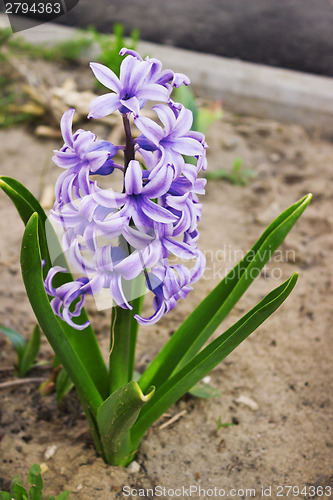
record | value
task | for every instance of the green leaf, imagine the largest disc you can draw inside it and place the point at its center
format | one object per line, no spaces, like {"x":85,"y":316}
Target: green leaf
{"x":35,"y":493}
{"x":85,"y":342}
{"x":36,"y":481}
{"x":26,"y":204}
{"x":120,"y":341}
{"x":64,"y":495}
{"x":15,"y":481}
{"x":137,"y":304}
{"x":207,"y":116}
{"x":24,"y":201}
{"x":207,"y":316}
{"x":4,"y":495}
{"x":20,"y":493}
{"x":31,"y":351}
{"x":33,"y":280}
{"x":178,"y":384}
{"x":115,"y":418}
{"x":63,"y":386}
{"x":17,"y":340}
{"x":204,"y":391}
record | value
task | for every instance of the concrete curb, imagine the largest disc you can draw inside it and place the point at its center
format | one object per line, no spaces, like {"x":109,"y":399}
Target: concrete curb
{"x":245,"y":88}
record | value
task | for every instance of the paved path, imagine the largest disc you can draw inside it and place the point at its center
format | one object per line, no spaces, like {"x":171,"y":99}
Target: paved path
{"x":294,"y":34}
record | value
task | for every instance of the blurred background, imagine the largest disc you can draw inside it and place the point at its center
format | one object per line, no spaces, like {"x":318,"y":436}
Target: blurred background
{"x":293,"y":34}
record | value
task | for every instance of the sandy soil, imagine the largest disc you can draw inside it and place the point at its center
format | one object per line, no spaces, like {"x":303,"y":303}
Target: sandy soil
{"x":283,"y":435}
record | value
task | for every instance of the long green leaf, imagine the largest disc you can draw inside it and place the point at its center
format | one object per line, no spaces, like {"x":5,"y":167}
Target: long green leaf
{"x":63,"y":385}
{"x":33,"y":280}
{"x":26,"y":204}
{"x":119,"y":348}
{"x":115,"y":418}
{"x":85,"y":342}
{"x":31,"y":351}
{"x":17,"y":340}
{"x":208,"y":358}
{"x":134,"y":328}
{"x":203,"y":321}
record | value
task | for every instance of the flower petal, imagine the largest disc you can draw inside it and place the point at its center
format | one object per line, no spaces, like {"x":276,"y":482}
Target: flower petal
{"x":117,"y":292}
{"x":131,"y":104}
{"x":103,"y":105}
{"x":159,"y":182}
{"x":109,"y":198}
{"x":166,"y":116}
{"x":137,"y":239}
{"x":153,"y":92}
{"x":83,"y":140}
{"x":179,"y":248}
{"x":187,"y":146}
{"x":106,"y":76}
{"x":133,"y":178}
{"x":183,"y":123}
{"x":156,"y":212}
{"x":66,"y":127}
{"x":150,"y":129}
{"x":124,"y":51}
{"x":96,"y":159}
{"x":64,"y":159}
{"x":126,"y":69}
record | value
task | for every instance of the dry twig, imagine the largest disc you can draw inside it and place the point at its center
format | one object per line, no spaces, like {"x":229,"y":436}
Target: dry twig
{"x":172,"y":420}
{"x":21,"y":381}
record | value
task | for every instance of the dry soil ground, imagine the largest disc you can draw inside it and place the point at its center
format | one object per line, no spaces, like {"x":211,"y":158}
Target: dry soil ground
{"x":283,"y":435}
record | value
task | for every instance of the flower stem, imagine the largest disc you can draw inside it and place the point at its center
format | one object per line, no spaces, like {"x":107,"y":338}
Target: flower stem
{"x":129,"y":152}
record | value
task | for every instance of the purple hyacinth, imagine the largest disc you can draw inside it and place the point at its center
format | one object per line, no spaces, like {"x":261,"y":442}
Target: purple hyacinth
{"x":113,"y":238}
{"x":82,"y":155}
{"x":65,"y":295}
{"x":140,"y":80}
{"x":175,"y":140}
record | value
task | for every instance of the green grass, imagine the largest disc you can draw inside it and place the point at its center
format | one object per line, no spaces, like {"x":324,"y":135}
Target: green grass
{"x":238,"y":175}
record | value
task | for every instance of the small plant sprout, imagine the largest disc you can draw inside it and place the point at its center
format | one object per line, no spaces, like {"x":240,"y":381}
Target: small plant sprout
{"x":238,"y":175}
{"x":224,"y":425}
{"x":138,"y":243}
{"x":35,"y":492}
{"x":26,"y":352}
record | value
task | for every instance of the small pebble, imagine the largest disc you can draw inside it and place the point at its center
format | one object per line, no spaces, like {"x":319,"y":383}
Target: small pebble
{"x":133,"y":467}
{"x":246,"y":401}
{"x":44,"y":468}
{"x":50,"y":451}
{"x":275,"y":157}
